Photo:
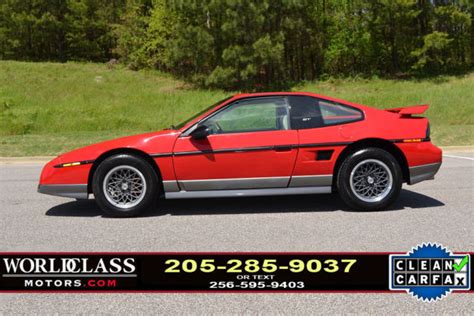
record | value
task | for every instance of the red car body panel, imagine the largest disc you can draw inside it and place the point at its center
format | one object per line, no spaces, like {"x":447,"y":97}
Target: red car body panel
{"x":422,"y":153}
{"x":246,"y":164}
{"x":157,"y":142}
{"x":283,"y":153}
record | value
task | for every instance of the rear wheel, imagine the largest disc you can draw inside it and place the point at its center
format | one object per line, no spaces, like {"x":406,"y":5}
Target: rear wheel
{"x":125,"y":185}
{"x":369,"y":179}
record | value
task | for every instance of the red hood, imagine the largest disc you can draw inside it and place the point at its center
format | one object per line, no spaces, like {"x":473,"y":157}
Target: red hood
{"x":151,"y":143}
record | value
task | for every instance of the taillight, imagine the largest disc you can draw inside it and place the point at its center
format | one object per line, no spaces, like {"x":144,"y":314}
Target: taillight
{"x":428,"y":131}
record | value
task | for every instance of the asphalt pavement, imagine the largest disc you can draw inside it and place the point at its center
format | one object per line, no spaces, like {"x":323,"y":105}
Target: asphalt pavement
{"x":437,"y":211}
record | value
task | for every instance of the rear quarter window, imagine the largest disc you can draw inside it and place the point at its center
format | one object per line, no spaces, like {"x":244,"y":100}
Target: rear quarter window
{"x":309,"y":112}
{"x":334,"y":113}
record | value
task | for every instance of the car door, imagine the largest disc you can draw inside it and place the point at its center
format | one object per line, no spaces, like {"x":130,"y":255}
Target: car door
{"x":249,"y":146}
{"x":320,"y":124}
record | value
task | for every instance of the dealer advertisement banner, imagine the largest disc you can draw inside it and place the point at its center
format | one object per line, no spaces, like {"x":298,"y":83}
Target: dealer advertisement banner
{"x":429,"y":272}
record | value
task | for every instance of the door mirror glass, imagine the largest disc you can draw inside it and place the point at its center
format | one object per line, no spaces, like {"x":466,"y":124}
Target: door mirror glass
{"x":200,"y":132}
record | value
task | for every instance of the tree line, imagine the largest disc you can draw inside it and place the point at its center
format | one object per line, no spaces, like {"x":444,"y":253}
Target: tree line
{"x":244,"y":44}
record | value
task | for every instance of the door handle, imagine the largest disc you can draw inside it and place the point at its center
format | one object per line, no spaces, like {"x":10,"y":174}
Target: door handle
{"x":282,"y":148}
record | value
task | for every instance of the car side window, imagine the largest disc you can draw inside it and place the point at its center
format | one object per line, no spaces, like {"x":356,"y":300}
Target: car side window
{"x":248,"y":115}
{"x":334,"y":113}
{"x":308,"y":112}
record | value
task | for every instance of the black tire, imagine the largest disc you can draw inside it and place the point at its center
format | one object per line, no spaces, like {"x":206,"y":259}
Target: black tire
{"x":148,"y":197}
{"x":380,"y":158}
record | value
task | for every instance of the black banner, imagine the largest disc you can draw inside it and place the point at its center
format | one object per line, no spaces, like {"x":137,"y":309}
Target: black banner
{"x":175,"y":272}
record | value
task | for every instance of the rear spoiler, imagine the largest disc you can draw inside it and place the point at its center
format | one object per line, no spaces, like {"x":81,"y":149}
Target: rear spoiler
{"x":410,"y":110}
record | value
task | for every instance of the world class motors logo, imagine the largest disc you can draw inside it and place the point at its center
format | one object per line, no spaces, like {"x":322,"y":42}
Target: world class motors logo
{"x":429,"y":272}
{"x":57,"y":272}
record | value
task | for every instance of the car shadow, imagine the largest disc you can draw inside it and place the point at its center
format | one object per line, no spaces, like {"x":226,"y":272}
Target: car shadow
{"x":248,"y":205}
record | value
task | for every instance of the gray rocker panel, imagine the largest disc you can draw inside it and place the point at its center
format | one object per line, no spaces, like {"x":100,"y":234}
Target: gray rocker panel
{"x":234,"y":183}
{"x":246,"y":192}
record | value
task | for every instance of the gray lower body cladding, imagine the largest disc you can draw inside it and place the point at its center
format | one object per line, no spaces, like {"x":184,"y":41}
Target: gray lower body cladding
{"x":423,"y":172}
{"x":246,"y":192}
{"x":264,"y":186}
{"x":76,"y":191}
{"x":247,"y":183}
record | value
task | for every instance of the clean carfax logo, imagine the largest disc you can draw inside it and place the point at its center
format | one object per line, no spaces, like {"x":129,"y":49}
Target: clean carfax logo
{"x":429,"y":272}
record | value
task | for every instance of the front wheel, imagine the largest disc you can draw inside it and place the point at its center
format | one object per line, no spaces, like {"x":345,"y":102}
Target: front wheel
{"x":125,"y":185}
{"x":369,"y":179}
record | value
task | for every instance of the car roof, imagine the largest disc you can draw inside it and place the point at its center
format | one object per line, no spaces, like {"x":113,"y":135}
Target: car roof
{"x":266,"y":94}
{"x":315,"y":95}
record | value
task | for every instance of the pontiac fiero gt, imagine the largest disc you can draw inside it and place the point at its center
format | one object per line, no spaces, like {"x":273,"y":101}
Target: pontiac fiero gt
{"x":256,"y":145}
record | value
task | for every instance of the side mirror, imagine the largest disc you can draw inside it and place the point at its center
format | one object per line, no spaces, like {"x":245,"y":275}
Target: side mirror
{"x":200,"y":132}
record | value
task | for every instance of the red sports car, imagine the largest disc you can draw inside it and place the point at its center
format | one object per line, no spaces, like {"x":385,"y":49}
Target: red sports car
{"x":256,"y":144}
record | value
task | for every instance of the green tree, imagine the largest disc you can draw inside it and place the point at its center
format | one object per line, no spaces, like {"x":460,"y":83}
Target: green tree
{"x":246,"y":44}
{"x":58,"y":29}
{"x":432,"y":56}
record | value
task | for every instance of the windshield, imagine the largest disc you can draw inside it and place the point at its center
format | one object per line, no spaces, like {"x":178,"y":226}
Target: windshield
{"x":182,"y":124}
